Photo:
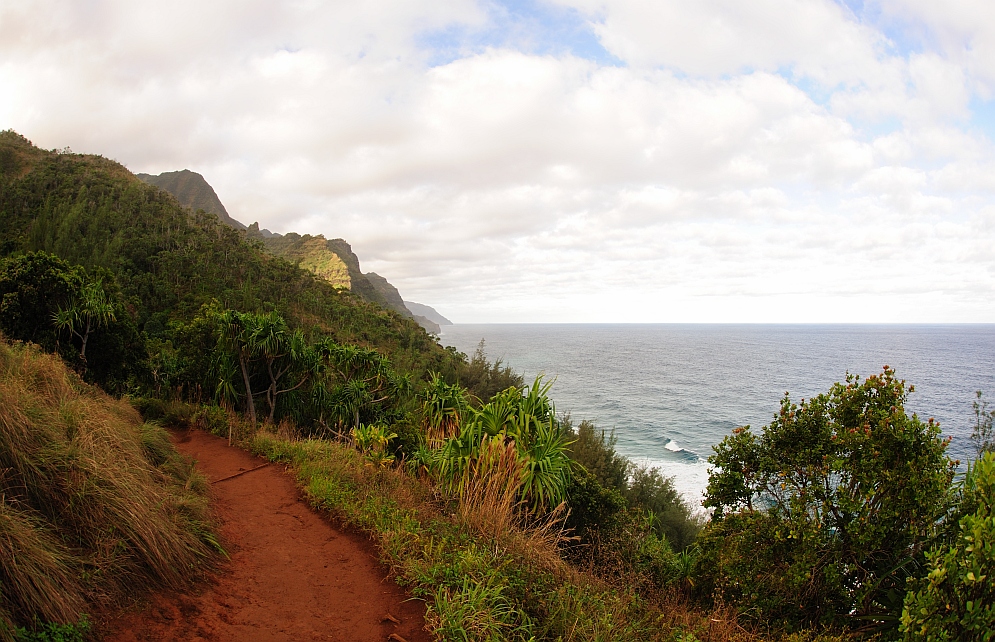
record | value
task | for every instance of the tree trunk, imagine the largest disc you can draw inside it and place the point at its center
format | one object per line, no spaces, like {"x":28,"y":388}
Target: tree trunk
{"x":271,"y":398}
{"x":86,"y":335}
{"x":250,"y":405}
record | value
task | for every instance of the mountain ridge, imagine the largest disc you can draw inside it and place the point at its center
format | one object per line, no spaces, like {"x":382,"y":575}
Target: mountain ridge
{"x":192,"y":190}
{"x":331,"y":260}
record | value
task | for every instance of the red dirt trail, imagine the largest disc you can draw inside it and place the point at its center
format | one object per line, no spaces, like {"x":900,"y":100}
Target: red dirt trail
{"x":292,"y":574}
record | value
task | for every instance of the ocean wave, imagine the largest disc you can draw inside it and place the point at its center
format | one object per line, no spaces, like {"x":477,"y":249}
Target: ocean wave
{"x":690,"y":476}
{"x":682,"y":453}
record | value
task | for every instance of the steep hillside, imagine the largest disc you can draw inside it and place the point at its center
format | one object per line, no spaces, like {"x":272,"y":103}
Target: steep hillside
{"x":395,"y":302}
{"x":427,"y":311}
{"x":167,"y":262}
{"x":332,"y":261}
{"x":311,"y":253}
{"x":192,"y":191}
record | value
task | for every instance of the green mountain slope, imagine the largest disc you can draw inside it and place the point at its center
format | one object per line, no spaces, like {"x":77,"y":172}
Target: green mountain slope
{"x":332,"y":261}
{"x":313,"y":254}
{"x":168,"y":261}
{"x":192,"y":191}
{"x":427,"y":311}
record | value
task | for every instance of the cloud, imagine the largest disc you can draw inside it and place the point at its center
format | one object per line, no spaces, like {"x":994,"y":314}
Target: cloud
{"x":733,"y":161}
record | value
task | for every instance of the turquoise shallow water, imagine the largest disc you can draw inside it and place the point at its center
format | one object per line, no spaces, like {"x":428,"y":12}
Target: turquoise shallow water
{"x":672,"y":391}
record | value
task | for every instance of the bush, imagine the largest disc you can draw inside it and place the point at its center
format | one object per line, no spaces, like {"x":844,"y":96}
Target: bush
{"x":594,"y":509}
{"x":956,"y":600}
{"x":595,"y":451}
{"x":611,"y":484}
{"x":149,"y":408}
{"x":672,"y":518}
{"x":813,"y":516}
{"x":213,"y":419}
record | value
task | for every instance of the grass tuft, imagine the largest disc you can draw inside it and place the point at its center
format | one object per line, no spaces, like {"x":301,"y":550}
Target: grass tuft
{"x":94,"y":503}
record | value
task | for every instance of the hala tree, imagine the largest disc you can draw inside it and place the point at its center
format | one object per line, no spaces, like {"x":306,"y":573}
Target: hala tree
{"x":517,"y":424}
{"x":821,"y":516}
{"x":262,"y":344}
{"x":443,"y":406}
{"x":235,"y":345}
{"x":87,"y":311}
{"x":362,"y":384}
{"x":288,"y":361}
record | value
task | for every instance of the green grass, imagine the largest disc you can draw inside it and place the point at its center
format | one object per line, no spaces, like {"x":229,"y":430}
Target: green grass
{"x":479,"y":586}
{"x":476,"y":588}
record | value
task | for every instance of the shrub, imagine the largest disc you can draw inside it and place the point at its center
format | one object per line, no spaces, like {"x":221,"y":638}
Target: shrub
{"x":956,"y":600}
{"x":213,"y":419}
{"x":813,"y":516}
{"x":610,"y":484}
{"x":594,"y":509}
{"x":672,"y":517}
{"x":51,"y":632}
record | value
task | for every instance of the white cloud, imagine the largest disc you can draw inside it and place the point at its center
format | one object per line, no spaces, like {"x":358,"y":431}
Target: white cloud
{"x":704,"y":180}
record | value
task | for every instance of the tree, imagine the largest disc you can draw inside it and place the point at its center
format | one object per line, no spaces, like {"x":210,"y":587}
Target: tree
{"x":443,"y":406}
{"x":88,"y":310}
{"x":234,"y":337}
{"x":364,"y":385}
{"x":815,"y":518}
{"x":283,"y":353}
{"x":32,"y":287}
{"x":982,"y":433}
{"x":263,"y":342}
{"x":522,"y":419}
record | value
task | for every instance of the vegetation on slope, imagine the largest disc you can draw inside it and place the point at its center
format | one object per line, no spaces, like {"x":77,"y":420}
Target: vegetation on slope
{"x":94,"y":502}
{"x":312,"y":253}
{"x":192,"y":191}
{"x":166,"y":263}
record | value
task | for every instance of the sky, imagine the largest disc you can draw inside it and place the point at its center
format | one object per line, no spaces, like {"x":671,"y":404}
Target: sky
{"x":561,"y":160}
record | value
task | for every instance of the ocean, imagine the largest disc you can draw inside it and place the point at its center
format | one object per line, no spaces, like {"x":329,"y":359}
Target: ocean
{"x":672,"y":391}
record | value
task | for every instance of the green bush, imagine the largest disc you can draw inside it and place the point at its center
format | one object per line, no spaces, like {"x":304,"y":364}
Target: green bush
{"x":150,"y":409}
{"x":595,"y":451}
{"x":610,"y":484}
{"x":956,"y":600}
{"x":213,"y":419}
{"x":594,"y":509}
{"x":815,"y":517}
{"x":672,"y":517}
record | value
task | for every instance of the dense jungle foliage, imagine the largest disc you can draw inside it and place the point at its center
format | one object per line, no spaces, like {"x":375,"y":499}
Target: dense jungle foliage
{"x":166,"y":263}
{"x":842,"y":516}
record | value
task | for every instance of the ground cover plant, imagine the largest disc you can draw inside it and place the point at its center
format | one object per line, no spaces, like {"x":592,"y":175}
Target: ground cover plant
{"x":94,"y":501}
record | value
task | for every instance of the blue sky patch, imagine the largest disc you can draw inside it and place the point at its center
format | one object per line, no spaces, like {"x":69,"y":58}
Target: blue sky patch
{"x":532,"y":27}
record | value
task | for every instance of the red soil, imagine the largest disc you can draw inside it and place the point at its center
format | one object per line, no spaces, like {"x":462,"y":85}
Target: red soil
{"x":292,"y":574}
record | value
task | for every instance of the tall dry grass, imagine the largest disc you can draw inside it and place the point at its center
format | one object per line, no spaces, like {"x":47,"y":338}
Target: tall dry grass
{"x":93,"y":502}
